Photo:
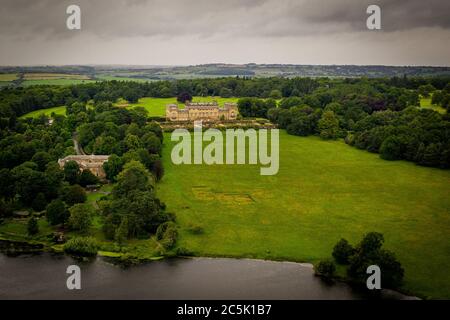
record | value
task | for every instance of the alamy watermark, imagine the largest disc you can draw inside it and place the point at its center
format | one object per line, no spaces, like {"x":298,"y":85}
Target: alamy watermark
{"x":73,"y":21}
{"x":373,"y":22}
{"x":374,"y":280}
{"x":228,"y":148}
{"x":73,"y":282}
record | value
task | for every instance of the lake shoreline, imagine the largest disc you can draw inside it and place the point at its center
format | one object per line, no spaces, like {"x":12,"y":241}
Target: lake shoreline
{"x":32,"y":248}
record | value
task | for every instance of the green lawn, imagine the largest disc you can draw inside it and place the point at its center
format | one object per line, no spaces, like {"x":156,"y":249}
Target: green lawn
{"x":34,"y":114}
{"x":156,"y":107}
{"x":325,"y":190}
{"x":426,"y":103}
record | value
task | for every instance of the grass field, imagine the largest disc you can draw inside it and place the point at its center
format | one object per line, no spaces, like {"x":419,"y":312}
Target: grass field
{"x":8,"y":76}
{"x":34,"y":114}
{"x":156,"y":107}
{"x":325,"y":190}
{"x":49,"y":76}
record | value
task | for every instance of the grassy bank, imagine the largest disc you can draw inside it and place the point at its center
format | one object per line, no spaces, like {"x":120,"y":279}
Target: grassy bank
{"x":324,"y":190}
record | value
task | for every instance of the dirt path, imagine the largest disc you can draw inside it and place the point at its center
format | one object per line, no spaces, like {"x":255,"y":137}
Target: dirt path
{"x":78,"y":148}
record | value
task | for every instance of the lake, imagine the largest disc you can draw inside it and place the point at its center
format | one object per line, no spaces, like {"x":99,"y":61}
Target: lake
{"x":43,"y":276}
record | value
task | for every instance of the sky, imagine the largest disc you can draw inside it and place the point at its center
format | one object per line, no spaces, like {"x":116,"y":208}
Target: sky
{"x":190,"y":32}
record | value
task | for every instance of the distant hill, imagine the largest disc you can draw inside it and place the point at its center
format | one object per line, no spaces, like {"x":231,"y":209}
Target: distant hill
{"x":216,"y":70}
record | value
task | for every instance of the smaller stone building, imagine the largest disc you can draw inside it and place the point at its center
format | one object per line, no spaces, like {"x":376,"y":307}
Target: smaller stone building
{"x":93,"y":163}
{"x":206,"y":111}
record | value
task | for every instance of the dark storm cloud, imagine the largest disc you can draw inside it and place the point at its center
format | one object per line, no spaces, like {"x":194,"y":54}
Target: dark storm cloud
{"x":234,"y":31}
{"x":106,"y":18}
{"x":396,"y":14}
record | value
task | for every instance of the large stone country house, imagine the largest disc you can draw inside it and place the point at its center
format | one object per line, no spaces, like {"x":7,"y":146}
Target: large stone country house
{"x":93,"y":163}
{"x":206,"y":111}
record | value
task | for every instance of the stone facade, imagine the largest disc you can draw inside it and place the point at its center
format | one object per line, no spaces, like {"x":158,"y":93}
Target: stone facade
{"x":205,"y":111}
{"x":93,"y":163}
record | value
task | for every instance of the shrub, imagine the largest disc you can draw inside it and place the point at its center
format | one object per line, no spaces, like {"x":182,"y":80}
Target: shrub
{"x":167,"y":234}
{"x":32,"y":226}
{"x":83,"y":246}
{"x":325,"y":268}
{"x":181,"y":251}
{"x":342,"y":251}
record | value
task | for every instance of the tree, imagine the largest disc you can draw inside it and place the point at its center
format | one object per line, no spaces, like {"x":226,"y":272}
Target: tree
{"x":88,"y":178}
{"x":57,"y":212}
{"x":121,"y":233}
{"x":301,"y":121}
{"x":113,"y":167}
{"x":74,"y":194}
{"x":371,"y":242}
{"x":342,"y":252}
{"x":425,"y":90}
{"x":158,"y":170}
{"x":275,"y":94}
{"x":28,"y":182}
{"x":392,"y":270}
{"x":328,"y":125}
{"x":39,"y":203}
{"x":32,"y":226}
{"x":80,"y":217}
{"x":6,"y":181}
{"x":151,"y":142}
{"x":183,"y":97}
{"x":133,"y":196}
{"x":226,"y":93}
{"x":132,"y":142}
{"x":41,"y":158}
{"x":290,"y":102}
{"x":369,"y":252}
{"x":134,"y":177}
{"x":71,"y":171}
{"x":325,"y":268}
{"x":392,"y":148}
{"x":431,"y":155}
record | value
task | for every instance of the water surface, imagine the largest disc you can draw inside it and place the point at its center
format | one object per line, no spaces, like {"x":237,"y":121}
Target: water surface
{"x":43,"y":276}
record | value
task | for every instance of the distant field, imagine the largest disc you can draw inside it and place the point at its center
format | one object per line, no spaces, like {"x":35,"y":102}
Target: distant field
{"x":57,"y":82}
{"x":8,"y":76}
{"x":325,"y":190}
{"x":50,"y":76}
{"x":34,"y":114}
{"x":156,"y":107}
{"x":110,"y":78}
{"x":426,"y":103}
{"x":60,"y":79}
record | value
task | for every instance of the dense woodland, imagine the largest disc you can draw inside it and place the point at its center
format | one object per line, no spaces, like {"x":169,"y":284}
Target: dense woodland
{"x":31,"y":178}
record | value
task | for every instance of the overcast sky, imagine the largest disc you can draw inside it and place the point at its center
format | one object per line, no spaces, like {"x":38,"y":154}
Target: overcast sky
{"x":184,"y":32}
